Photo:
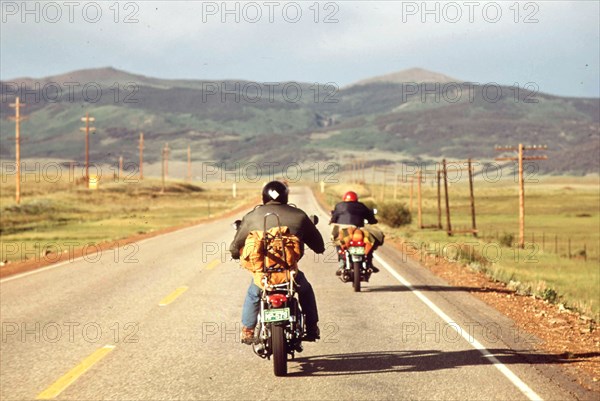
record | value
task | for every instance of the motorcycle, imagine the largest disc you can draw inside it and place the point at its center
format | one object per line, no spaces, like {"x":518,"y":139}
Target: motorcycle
{"x":357,"y":257}
{"x":281,"y":322}
{"x":357,"y":262}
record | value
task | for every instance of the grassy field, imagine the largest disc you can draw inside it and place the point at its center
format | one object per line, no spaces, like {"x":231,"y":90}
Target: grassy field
{"x":559,"y":210}
{"x":56,"y":216}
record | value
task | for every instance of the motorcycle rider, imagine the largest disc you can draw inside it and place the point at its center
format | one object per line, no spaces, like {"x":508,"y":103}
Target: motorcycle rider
{"x":350,"y":212}
{"x":275,"y":199}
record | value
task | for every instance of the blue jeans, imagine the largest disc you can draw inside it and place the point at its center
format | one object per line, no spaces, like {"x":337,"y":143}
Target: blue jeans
{"x":308,"y":303}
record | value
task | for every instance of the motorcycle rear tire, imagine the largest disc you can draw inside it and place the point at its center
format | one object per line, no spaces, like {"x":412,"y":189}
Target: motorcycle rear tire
{"x":279,"y":350}
{"x":356,"y":268}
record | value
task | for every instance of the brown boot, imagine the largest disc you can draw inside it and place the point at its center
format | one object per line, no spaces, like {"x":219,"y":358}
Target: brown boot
{"x":247,"y":335}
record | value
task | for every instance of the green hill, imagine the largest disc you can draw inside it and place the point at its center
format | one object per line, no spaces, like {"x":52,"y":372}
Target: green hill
{"x":379,"y":118}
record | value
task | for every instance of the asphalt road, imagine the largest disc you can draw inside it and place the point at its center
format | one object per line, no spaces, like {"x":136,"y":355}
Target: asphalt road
{"x":161,"y":321}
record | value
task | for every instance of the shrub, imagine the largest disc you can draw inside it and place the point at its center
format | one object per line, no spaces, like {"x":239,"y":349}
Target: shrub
{"x":394,"y":214}
{"x":370,"y":203}
{"x":468,"y":254}
{"x":507,"y":240}
{"x":550,"y":295}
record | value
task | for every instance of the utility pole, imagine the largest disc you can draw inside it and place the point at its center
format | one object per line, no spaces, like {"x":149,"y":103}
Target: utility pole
{"x":356,"y":169}
{"x":189,"y":164}
{"x":472,"y":197}
{"x":385,"y":170}
{"x":166,"y":158}
{"x":412,"y":184}
{"x":439,"y":200}
{"x":445,"y":172}
{"x":17,"y":118}
{"x":71,"y":172}
{"x":420,"y":210}
{"x":361,"y":169}
{"x":520,"y":157}
{"x":141,"y":147}
{"x":87,"y":129}
{"x":120,"y":167}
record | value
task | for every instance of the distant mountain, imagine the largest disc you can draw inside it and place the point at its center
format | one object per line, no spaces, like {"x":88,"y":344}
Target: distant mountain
{"x":412,"y":75}
{"x":106,"y":76}
{"x":379,"y":119}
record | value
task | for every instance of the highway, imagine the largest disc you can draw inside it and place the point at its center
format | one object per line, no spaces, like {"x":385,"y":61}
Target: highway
{"x":161,"y":321}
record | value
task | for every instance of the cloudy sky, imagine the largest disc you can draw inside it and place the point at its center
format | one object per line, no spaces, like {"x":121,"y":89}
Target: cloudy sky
{"x":554,"y":44}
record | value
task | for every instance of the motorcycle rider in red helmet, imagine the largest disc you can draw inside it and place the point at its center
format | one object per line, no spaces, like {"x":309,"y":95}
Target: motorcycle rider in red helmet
{"x":350,"y":212}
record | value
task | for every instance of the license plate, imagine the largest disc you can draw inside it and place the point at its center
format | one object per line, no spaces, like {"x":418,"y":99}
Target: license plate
{"x":356,"y":250}
{"x":276,"y":315}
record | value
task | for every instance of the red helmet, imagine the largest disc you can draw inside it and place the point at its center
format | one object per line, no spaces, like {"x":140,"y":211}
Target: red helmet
{"x":350,"y":196}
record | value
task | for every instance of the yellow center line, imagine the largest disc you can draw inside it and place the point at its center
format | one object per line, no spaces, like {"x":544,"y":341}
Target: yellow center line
{"x":213,"y":264}
{"x":58,"y":386}
{"x":172,"y":296}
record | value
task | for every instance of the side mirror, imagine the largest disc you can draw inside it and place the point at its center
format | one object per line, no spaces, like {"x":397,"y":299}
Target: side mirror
{"x":314,"y":219}
{"x":236,"y":224}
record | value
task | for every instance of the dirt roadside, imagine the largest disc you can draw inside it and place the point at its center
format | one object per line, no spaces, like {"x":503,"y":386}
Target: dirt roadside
{"x":565,"y":334}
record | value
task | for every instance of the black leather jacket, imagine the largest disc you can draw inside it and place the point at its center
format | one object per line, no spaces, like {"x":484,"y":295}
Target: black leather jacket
{"x":354,"y":213}
{"x":295,"y":219}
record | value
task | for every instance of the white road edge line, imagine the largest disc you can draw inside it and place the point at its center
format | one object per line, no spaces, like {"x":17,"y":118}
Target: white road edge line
{"x":514,"y":379}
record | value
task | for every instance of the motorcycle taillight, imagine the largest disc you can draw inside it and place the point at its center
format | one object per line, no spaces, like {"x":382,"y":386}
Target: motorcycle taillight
{"x":277,"y":300}
{"x":357,"y":243}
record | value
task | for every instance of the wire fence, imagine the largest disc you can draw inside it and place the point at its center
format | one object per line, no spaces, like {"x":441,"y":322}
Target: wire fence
{"x":569,"y":247}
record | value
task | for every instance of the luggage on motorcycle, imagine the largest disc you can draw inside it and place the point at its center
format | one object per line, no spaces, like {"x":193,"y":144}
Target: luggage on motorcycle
{"x":274,"y":257}
{"x":371,"y":235}
{"x":347,"y":234}
{"x":376,"y":234}
{"x":351,"y":233}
